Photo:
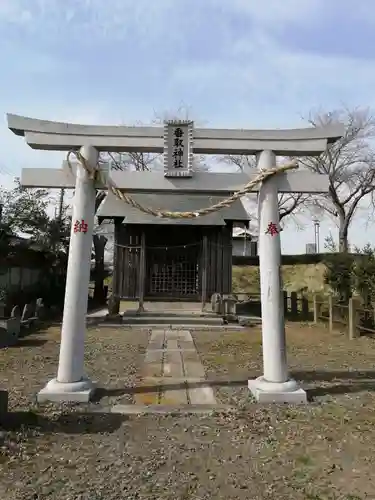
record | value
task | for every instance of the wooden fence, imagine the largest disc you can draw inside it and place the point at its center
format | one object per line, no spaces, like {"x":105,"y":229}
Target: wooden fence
{"x":357,"y":319}
{"x":299,"y":307}
{"x":19,"y":277}
{"x":296,"y":307}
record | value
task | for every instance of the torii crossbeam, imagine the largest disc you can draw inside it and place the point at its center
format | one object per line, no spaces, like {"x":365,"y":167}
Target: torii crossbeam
{"x":71,"y":384}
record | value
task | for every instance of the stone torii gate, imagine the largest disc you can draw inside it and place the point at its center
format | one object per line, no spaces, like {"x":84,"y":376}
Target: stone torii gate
{"x":178,"y":141}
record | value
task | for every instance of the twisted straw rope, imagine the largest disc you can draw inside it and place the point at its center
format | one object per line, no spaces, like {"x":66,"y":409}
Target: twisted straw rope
{"x":97,"y":174}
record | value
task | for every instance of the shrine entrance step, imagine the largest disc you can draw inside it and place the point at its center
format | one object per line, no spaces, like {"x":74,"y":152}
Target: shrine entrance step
{"x":171,"y":319}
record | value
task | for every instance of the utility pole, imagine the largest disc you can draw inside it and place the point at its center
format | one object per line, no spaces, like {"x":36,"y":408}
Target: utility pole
{"x":317,"y":235}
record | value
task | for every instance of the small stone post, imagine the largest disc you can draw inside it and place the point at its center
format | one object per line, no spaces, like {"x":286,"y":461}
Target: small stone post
{"x":305,"y":308}
{"x":204,"y":271}
{"x":142,"y":274}
{"x":316,"y":308}
{"x":71,"y":383}
{"x":285,"y":298}
{"x":293,"y":304}
{"x":352,"y":319}
{"x":330,"y":313}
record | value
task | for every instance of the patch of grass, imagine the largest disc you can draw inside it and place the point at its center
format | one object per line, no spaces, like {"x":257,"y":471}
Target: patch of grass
{"x":296,"y":278}
{"x":304,"y":460}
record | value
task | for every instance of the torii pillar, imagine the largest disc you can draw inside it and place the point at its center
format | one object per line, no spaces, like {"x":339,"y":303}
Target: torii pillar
{"x":274,"y":386}
{"x":71,"y":383}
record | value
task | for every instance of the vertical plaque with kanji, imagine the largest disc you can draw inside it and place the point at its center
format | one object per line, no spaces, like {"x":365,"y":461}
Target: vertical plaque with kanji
{"x":178,"y":148}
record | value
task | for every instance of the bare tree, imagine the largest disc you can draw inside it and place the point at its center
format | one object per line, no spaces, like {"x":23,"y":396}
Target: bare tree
{"x":350,"y":165}
{"x":289,"y":203}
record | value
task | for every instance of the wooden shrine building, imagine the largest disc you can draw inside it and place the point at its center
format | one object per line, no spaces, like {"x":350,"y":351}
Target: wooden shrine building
{"x":165,"y":259}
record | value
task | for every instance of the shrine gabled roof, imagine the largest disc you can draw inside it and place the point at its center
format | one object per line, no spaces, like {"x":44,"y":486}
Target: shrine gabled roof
{"x":113,"y":207}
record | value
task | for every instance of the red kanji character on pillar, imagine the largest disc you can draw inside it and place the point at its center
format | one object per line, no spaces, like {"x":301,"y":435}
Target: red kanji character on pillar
{"x":77,"y":226}
{"x":83,"y":226}
{"x":272,"y":229}
{"x":80,"y":227}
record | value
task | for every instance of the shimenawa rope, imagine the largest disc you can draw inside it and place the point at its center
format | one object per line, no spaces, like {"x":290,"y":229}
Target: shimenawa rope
{"x":97,"y":174}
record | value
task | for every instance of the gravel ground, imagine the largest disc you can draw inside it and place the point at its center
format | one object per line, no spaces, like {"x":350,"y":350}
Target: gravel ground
{"x":327,"y":364}
{"x":113,"y":358}
{"x":330,"y":442}
{"x":322,"y":451}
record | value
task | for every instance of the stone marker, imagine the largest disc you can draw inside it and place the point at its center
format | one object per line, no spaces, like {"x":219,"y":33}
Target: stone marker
{"x":40,"y":309}
{"x":216,"y":303}
{"x":113,"y":305}
{"x":16,"y":312}
{"x":27,"y":313}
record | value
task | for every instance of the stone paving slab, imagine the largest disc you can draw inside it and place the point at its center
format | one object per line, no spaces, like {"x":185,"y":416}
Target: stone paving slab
{"x":194,"y":368}
{"x":148,"y":398}
{"x":202,"y":395}
{"x":174,"y":397}
{"x":141,"y":409}
{"x":155,"y":345}
{"x":187,"y":345}
{"x":148,"y":327}
{"x":152,"y":370}
{"x":159,"y":381}
{"x":171,"y":368}
{"x":155,"y":356}
{"x":172,"y":344}
{"x":191,"y":356}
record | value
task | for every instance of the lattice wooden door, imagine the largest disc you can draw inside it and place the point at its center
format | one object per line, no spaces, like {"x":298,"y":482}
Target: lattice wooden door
{"x":173,"y":272}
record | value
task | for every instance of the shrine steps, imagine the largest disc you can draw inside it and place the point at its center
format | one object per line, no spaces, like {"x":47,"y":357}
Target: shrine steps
{"x":168,"y":319}
{"x":155,"y":318}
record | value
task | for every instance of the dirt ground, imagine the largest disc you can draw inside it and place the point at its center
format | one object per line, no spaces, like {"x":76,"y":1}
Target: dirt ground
{"x":324,"y":450}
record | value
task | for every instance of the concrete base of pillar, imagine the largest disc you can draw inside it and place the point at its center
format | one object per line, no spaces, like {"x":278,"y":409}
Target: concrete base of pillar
{"x":273,"y":392}
{"x":73,"y":392}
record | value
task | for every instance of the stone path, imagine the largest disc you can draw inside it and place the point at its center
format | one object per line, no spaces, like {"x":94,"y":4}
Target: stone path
{"x":172,"y":373}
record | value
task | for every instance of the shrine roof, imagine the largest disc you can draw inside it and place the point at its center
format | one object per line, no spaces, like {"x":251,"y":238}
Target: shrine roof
{"x":112,"y":207}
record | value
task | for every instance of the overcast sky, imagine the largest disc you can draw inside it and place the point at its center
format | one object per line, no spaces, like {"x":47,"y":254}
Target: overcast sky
{"x":234,"y":63}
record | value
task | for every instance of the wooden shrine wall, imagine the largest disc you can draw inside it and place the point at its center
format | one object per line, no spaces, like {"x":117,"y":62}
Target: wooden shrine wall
{"x":126,"y":261}
{"x":215,"y":259}
{"x":219,"y":260}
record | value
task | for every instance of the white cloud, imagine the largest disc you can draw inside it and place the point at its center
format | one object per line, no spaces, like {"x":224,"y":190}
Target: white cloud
{"x":17,"y":154}
{"x":267,"y":84}
{"x":14,"y":12}
{"x":269,"y":77}
{"x":277,"y":12}
{"x":84,"y":18}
